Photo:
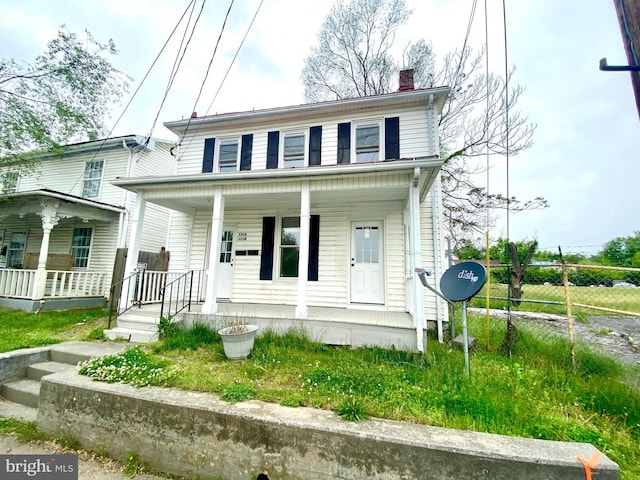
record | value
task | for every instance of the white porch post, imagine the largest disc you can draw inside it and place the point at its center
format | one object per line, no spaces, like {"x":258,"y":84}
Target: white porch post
{"x":416,"y":261}
{"x":137,"y":219}
{"x":50,"y":219}
{"x":217,"y":220}
{"x":303,"y":258}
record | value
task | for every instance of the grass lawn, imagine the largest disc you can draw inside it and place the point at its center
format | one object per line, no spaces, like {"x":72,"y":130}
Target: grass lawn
{"x":536,"y":393}
{"x":27,"y":329}
{"x":625,"y":299}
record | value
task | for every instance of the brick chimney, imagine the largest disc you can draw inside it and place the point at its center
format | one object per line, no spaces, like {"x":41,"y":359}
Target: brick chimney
{"x":406,"y":80}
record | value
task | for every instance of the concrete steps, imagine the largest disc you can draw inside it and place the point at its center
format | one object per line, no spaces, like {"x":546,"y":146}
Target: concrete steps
{"x":135,"y":325}
{"x":23,"y":370}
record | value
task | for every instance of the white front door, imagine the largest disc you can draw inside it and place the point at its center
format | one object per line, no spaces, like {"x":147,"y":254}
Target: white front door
{"x":225,"y":283}
{"x":367,"y":263}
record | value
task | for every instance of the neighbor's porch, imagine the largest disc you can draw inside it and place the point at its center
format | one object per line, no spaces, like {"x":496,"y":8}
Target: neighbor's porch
{"x":47,"y":250}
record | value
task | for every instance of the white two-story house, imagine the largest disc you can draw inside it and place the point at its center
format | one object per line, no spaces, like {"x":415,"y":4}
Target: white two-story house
{"x":62,"y":222}
{"x":312,"y":215}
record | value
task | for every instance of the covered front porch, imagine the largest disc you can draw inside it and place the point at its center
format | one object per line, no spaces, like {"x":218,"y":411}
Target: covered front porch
{"x":333,"y":326}
{"x":310,"y":246}
{"x":48,"y":256}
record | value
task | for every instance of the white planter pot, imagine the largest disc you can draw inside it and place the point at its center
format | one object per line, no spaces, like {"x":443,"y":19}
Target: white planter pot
{"x":238,"y":340}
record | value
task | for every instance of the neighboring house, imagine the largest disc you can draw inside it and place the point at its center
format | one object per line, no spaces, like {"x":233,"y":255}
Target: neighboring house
{"x":315,"y":215}
{"x":60,"y":225}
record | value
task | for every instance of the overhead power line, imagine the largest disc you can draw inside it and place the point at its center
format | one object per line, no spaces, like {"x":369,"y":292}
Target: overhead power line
{"x":184,"y":135}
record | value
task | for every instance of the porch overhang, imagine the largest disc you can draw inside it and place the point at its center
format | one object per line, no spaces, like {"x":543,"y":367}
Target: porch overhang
{"x":31,"y":202}
{"x":388,"y":181}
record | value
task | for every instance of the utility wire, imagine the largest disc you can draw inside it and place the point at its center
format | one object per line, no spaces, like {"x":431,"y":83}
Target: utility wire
{"x":227,"y":72}
{"x":134,"y":94}
{"x":177,"y":62}
{"x":506,"y":108}
{"x":213,"y":55}
{"x":466,"y":38}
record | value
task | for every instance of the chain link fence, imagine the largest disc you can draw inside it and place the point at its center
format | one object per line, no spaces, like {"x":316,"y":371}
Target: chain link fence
{"x":594,"y":308}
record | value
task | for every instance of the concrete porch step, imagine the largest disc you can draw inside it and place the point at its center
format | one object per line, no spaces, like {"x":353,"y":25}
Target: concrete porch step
{"x":131,"y":334}
{"x":25,"y":392}
{"x":38,"y":370}
{"x":136,"y":322}
{"x":18,"y":411}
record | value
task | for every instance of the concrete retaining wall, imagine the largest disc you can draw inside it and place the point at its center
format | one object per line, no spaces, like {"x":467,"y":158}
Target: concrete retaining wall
{"x":195,"y":434}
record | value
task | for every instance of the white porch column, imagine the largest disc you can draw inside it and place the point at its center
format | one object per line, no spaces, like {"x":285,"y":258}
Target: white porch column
{"x":416,"y":261}
{"x":50,"y":219}
{"x":137,"y":219}
{"x":303,"y":258}
{"x":217,"y":220}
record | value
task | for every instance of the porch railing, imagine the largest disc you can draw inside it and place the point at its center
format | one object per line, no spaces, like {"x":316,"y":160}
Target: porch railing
{"x":141,"y":288}
{"x":75,"y":284}
{"x":179,"y":293}
{"x":17,"y":283}
{"x":20,"y":283}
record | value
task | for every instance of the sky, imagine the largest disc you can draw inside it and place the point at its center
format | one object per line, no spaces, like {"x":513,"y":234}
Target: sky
{"x":585,"y":159}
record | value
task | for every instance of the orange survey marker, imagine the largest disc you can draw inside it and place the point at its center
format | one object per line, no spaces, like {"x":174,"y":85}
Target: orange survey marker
{"x":590,"y":465}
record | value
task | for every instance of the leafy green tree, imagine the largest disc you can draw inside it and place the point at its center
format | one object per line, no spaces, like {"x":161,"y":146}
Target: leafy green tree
{"x":468,"y":250}
{"x":353,"y":58}
{"x":622,"y":251}
{"x":64,"y":95}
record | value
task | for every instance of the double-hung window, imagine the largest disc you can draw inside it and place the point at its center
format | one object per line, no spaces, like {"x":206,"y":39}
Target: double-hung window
{"x":289,"y":246}
{"x":81,"y":246}
{"x":92,"y":179}
{"x":294,"y":148}
{"x":228,"y":156}
{"x":367,"y":142}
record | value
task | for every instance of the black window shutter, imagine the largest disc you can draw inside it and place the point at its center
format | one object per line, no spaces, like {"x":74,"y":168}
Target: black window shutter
{"x":392,"y":138}
{"x":266,"y":259}
{"x":315,"y":145}
{"x":245,"y":152}
{"x":207,"y":157}
{"x":314,"y":244}
{"x":273,"y":143}
{"x":344,"y":142}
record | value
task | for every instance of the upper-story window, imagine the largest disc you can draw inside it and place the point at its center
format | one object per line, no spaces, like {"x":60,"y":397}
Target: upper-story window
{"x":9,"y":182}
{"x":92,"y":178}
{"x":367,"y":142}
{"x":228,"y":156}
{"x":294,"y":148}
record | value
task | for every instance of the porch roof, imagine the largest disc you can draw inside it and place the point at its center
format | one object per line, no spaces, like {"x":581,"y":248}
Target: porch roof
{"x":181,"y":192}
{"x":30,"y":202}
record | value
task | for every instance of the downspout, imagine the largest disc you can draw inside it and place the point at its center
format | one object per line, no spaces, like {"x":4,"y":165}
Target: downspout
{"x":416,"y":241}
{"x":124,"y":216}
{"x":437,"y":267}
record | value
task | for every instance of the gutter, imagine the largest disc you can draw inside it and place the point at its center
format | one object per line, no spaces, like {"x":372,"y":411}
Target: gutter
{"x":67,"y":198}
{"x":351,"y":104}
{"x":139,"y":183}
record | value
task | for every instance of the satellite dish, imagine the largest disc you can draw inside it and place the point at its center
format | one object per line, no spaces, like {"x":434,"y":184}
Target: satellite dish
{"x":462,"y":281}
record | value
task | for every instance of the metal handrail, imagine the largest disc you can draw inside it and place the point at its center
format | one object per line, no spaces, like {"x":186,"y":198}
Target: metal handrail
{"x":180,"y":302}
{"x":114,"y":289}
